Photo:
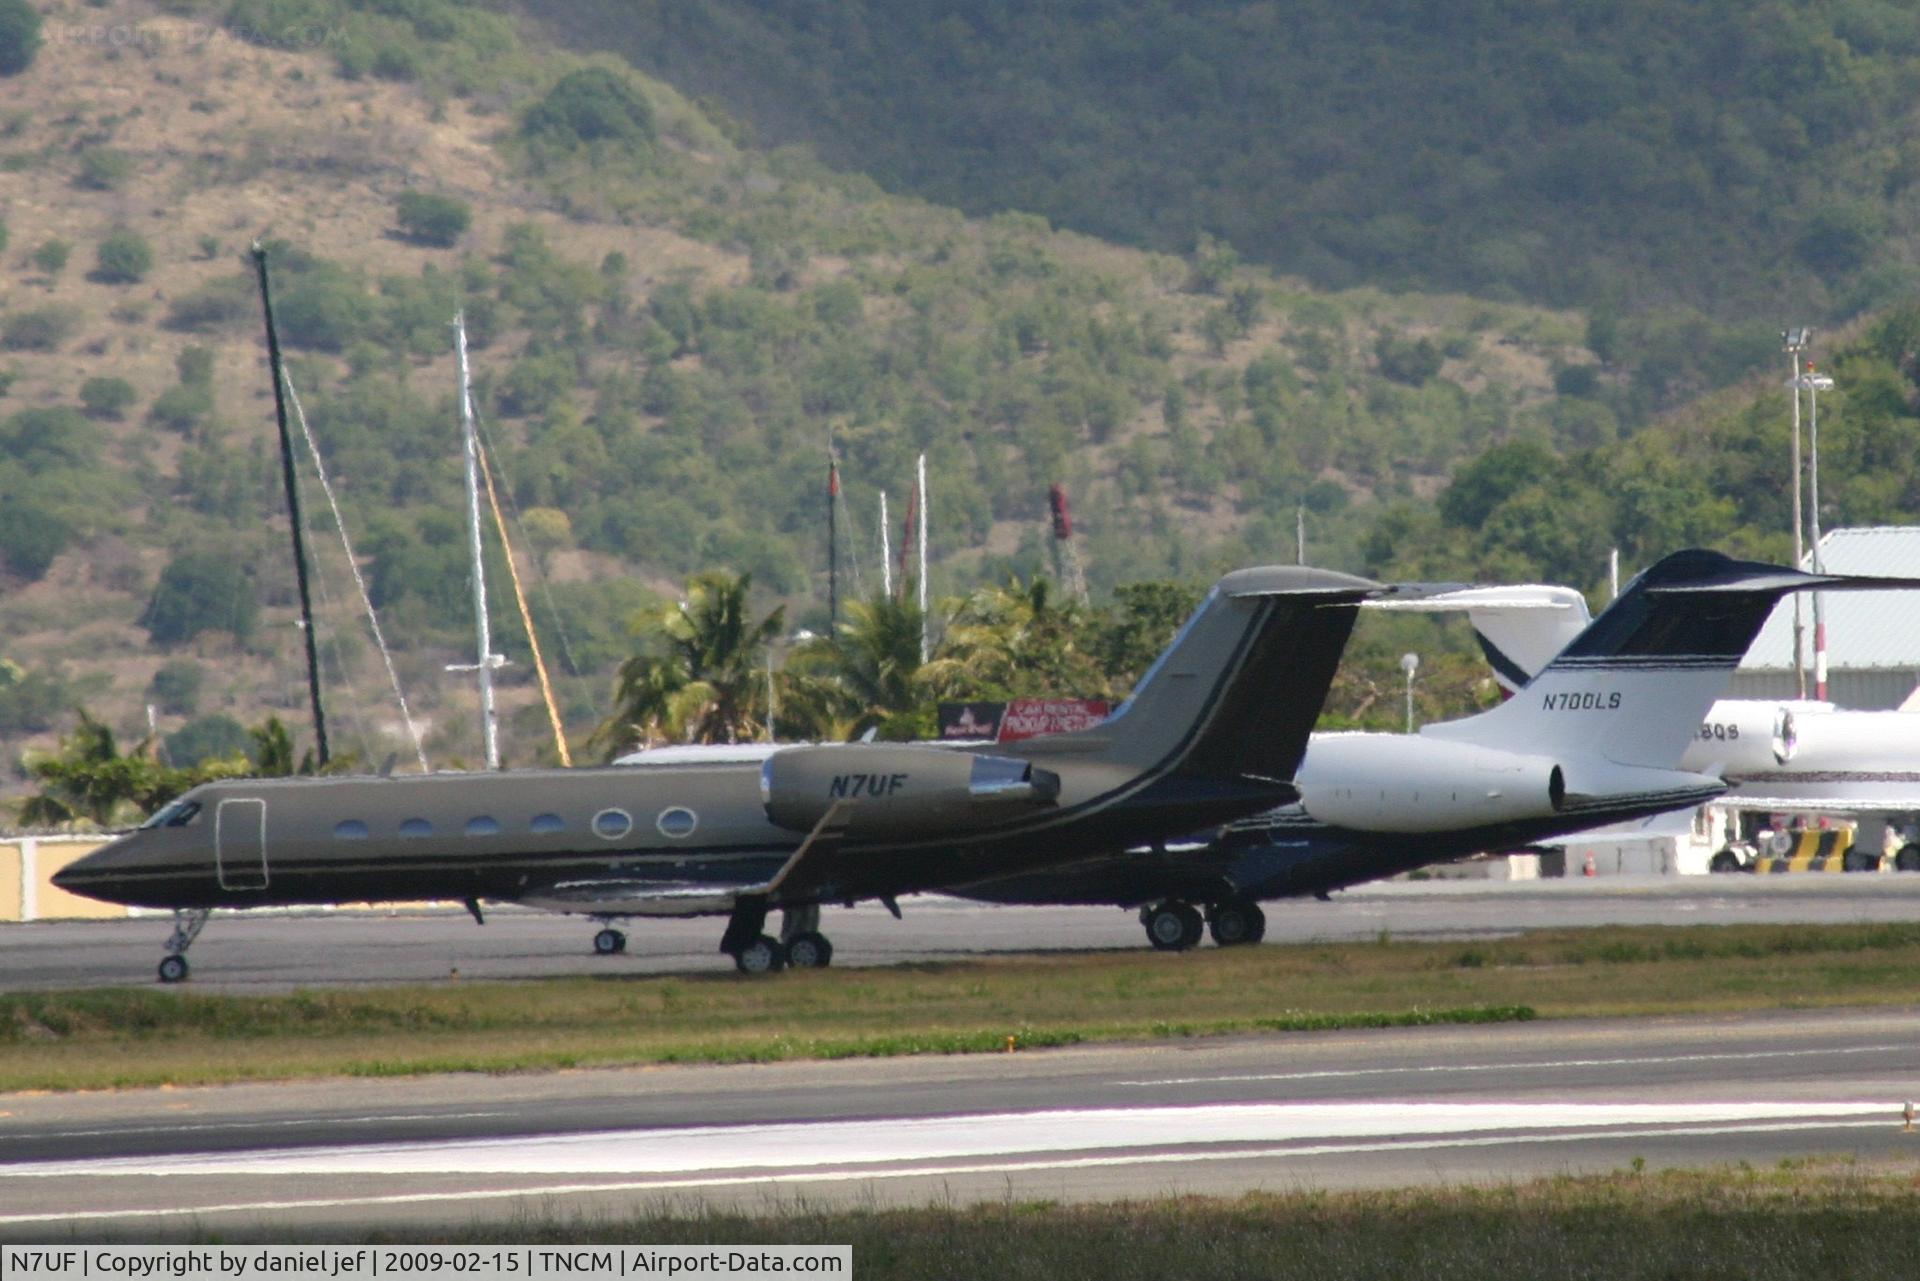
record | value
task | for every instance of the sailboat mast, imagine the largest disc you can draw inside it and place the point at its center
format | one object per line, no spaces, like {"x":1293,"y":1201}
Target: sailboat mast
{"x":293,"y":508}
{"x":489,"y":717}
{"x":926,"y":510}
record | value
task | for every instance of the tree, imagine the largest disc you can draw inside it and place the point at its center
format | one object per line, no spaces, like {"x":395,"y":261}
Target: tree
{"x":51,"y":257}
{"x":215,"y":737}
{"x":432,"y":219}
{"x":123,"y":258}
{"x":591,"y":105}
{"x":701,"y":674}
{"x":106,"y":397}
{"x":175,"y":687}
{"x":88,"y":779}
{"x":200,"y":591}
{"x":873,"y":664}
{"x":1017,"y":641}
{"x":19,"y":36}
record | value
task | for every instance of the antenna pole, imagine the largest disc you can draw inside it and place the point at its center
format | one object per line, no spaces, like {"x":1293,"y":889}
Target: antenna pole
{"x":924,"y":513}
{"x":293,"y":507}
{"x":886,"y":551}
{"x":484,"y":665}
{"x":833,"y":542}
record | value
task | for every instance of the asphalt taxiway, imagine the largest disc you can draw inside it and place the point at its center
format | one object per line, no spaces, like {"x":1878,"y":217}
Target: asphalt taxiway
{"x":262,"y":952}
{"x":1329,"y":1110}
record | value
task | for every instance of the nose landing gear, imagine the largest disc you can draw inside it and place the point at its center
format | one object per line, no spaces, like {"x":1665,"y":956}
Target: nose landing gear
{"x":187,"y":924}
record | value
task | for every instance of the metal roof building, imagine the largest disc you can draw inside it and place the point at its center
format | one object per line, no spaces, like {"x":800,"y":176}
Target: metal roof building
{"x":1873,"y":638}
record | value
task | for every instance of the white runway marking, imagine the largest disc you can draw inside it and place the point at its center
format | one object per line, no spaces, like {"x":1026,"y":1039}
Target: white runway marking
{"x":788,"y":1146}
{"x":285,"y":1123}
{"x":1037,"y":1165}
{"x":1520,"y":1066}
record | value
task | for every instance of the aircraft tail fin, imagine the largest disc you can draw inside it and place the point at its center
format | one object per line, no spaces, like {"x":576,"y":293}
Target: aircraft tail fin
{"x":1633,"y":687}
{"x":1237,"y":692}
{"x":1520,"y":628}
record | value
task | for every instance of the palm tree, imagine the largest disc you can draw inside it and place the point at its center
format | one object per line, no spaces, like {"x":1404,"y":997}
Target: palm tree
{"x":700,"y":676}
{"x":89,"y":780}
{"x":871,"y":667}
{"x":1017,"y":641}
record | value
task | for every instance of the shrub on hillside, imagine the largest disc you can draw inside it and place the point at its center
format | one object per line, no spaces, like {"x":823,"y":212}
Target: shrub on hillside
{"x":181,"y":407}
{"x":123,"y":258}
{"x":591,"y":105}
{"x":103,"y":169}
{"x":213,"y":306}
{"x":432,"y":219}
{"x":205,"y":739}
{"x":41,"y":329}
{"x":106,"y":397}
{"x":200,"y":591}
{"x":195,"y":365}
{"x":51,"y":257}
{"x":323,"y":310}
{"x":19,"y":36}
{"x":175,"y":688}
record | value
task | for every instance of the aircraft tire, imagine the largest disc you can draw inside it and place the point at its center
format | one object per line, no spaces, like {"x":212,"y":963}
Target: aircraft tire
{"x":1908,"y":859}
{"x":809,"y":950}
{"x":1236,"y":922}
{"x":173,"y":968}
{"x":764,"y":955}
{"x":1173,"y":927}
{"x":609,"y":942}
{"x":1725,"y":861}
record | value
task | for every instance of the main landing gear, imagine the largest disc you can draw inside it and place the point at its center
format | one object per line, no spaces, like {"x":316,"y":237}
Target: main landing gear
{"x":800,"y":945}
{"x":187,"y":924}
{"x":1173,"y":926}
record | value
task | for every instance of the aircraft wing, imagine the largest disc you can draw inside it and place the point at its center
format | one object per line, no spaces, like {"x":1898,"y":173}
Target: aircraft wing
{"x":803,"y":877}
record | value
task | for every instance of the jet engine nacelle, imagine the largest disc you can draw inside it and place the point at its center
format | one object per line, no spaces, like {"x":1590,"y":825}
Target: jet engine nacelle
{"x":1740,"y":736}
{"x":905,"y":791}
{"x":1406,"y":783}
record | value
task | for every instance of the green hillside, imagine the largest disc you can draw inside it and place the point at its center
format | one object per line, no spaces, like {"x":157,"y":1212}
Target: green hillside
{"x":1692,"y":172}
{"x":669,"y":327}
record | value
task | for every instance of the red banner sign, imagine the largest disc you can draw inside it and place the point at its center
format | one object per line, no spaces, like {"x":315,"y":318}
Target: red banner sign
{"x":1032,"y":717}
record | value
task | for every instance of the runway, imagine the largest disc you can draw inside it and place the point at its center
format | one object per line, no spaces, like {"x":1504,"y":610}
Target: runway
{"x":245,"y":952}
{"x":1386,"y":1108}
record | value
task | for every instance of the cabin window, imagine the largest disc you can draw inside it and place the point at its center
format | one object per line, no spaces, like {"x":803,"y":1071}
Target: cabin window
{"x":174,"y":814}
{"x":612,"y":824}
{"x":677,"y":822}
{"x":416,"y":827}
{"x":546,"y":824}
{"x":351,"y":829}
{"x":481,"y":825}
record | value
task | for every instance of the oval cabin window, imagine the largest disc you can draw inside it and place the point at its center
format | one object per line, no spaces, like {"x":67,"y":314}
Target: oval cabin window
{"x":546,"y":824}
{"x":677,"y":822}
{"x":350,"y":830}
{"x":416,"y":827}
{"x":612,"y":824}
{"x":483,"y":826}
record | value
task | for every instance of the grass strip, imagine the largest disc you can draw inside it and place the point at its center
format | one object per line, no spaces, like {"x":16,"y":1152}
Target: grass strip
{"x":123,"y":1037}
{"x":1800,"y":1219}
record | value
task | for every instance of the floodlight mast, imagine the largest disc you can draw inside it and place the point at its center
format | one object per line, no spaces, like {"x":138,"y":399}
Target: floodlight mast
{"x":1815,"y":384}
{"x":1795,"y":341}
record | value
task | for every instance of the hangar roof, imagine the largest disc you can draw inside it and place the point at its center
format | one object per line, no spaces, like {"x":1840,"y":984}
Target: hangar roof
{"x":1865,"y":630}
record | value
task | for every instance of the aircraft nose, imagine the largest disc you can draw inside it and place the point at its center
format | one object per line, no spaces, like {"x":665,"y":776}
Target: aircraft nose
{"x":92,"y":874}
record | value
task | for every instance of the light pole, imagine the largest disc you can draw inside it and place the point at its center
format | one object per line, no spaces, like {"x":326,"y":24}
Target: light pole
{"x":1796,"y":341}
{"x":1409,"y":663}
{"x":1814,"y":385}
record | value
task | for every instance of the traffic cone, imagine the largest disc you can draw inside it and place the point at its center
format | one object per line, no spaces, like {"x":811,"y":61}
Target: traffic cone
{"x":1588,"y":871}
